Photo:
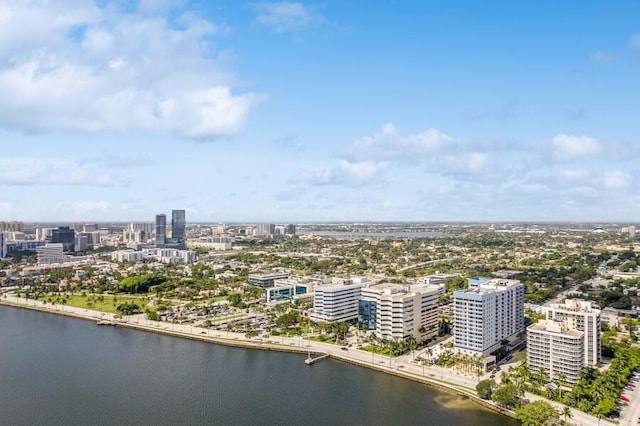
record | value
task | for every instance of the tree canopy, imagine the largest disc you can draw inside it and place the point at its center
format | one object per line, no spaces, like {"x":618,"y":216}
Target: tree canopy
{"x":140,"y":283}
{"x":485,"y":388}
{"x":537,"y":413}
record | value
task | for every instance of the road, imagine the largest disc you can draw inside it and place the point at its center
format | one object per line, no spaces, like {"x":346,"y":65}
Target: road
{"x":630,"y":414}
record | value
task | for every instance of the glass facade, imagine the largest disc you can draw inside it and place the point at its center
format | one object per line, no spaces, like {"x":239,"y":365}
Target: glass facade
{"x":178,"y":224}
{"x":367,"y":314}
{"x":161,"y":230}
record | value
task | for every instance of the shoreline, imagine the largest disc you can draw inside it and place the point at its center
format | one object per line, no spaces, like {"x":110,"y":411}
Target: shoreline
{"x":96,"y":316}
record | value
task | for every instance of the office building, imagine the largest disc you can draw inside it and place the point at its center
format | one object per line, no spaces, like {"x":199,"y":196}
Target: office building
{"x":24,"y":245}
{"x":161,"y":230}
{"x":51,"y":253}
{"x":556,"y":347}
{"x":265,"y":280}
{"x":486,"y":314}
{"x":587,"y":320}
{"x":86,"y":227}
{"x":43,"y":234}
{"x":290,"y":229}
{"x":178,"y":225}
{"x":396,"y":312}
{"x":65,"y":236}
{"x":146,"y":227}
{"x":336,"y":302}
{"x":213,"y":243}
{"x":287,"y":289}
{"x":3,"y":245}
{"x":81,"y":243}
{"x":265,"y":229}
{"x":12,"y":226}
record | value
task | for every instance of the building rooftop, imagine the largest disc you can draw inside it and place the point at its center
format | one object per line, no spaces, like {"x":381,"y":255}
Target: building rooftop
{"x":575,"y":305}
{"x":490,"y":286}
{"x":555,"y":327}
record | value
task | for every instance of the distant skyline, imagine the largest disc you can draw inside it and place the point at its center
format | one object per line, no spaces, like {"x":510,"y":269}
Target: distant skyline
{"x":320,"y":111}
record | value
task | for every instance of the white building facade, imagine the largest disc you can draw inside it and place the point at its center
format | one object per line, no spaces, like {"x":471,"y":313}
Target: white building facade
{"x":336,"y":302}
{"x":587,"y":320}
{"x":396,"y":312}
{"x":556,"y":347}
{"x":486,"y":314}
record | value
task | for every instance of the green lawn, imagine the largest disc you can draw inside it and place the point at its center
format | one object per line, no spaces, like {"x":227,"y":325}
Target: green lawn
{"x":102,"y":303}
{"x":229,"y":317}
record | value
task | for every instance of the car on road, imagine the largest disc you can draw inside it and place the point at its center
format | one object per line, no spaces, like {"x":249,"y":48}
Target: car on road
{"x":624,"y":398}
{"x":492,"y":376}
{"x":344,"y":348}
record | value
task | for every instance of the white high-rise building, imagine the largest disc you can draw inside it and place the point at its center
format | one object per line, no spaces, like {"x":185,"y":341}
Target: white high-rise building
{"x":587,"y":320}
{"x":336,"y":302}
{"x":557,"y":347}
{"x":394,"y":312}
{"x":486,"y":314}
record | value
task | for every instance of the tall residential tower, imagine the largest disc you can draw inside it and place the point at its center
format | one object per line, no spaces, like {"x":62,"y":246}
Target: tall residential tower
{"x":161,"y":230}
{"x":486,"y":314}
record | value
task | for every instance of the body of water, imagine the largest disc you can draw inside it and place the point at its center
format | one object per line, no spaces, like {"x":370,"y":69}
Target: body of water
{"x":62,"y":371}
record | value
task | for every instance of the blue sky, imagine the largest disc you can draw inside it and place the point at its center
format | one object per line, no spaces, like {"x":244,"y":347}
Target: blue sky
{"x":310,"y":111}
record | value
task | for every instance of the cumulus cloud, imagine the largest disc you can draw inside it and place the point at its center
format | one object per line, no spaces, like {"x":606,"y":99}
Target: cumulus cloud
{"x":285,"y":16}
{"x":568,"y":147}
{"x":84,"y":207}
{"x":389,"y":144}
{"x":615,"y":179}
{"x":463,"y":163}
{"x":345,"y":173}
{"x":73,"y":65}
{"x":55,"y":171}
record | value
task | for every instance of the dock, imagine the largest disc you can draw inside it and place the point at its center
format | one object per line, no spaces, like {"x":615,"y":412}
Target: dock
{"x":311,"y":361}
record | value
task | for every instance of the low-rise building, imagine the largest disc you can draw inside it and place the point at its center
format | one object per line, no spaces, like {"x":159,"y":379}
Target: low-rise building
{"x":287,"y":289}
{"x":265,"y":280}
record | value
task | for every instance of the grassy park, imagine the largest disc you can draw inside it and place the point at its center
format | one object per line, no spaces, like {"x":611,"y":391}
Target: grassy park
{"x":102,"y":303}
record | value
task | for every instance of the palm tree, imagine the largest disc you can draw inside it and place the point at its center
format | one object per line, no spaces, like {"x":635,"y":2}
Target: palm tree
{"x":566,"y":413}
{"x":562,"y":381}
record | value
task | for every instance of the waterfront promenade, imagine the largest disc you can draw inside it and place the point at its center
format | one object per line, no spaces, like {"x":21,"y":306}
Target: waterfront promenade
{"x":441,"y":378}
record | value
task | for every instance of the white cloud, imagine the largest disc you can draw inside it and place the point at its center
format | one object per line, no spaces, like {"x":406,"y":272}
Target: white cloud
{"x":55,"y":171}
{"x":635,"y":41}
{"x":285,"y":16}
{"x":84,"y":207}
{"x":390,"y":144}
{"x":568,"y":147}
{"x":615,"y":180}
{"x":4,"y":206}
{"x":71,"y":65}
{"x":345,"y":173}
{"x":463,"y":163}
